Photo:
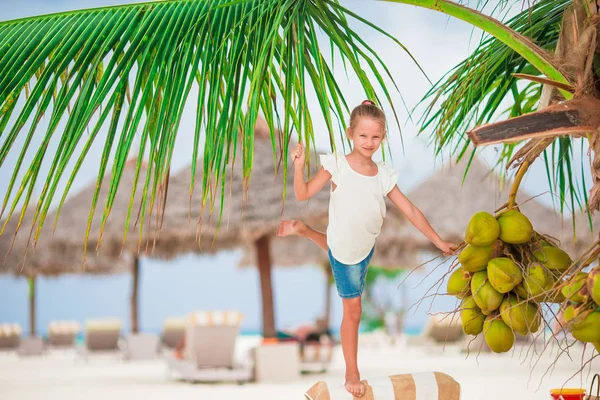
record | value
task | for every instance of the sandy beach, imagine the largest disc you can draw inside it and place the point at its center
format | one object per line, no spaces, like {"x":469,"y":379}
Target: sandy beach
{"x":61,"y":374}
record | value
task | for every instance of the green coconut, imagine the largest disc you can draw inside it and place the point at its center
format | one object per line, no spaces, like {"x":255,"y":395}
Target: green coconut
{"x":482,"y":230}
{"x":471,"y":316}
{"x":485,"y":296}
{"x":593,"y":285}
{"x":498,"y":336}
{"x":570,"y":312}
{"x":523,"y":317}
{"x":504,"y":274}
{"x":537,"y":279}
{"x":475,"y":258}
{"x":553,"y":258}
{"x":459,"y":283}
{"x":554,"y":296}
{"x":597,"y":346}
{"x":585,"y":327}
{"x":520,"y":291}
{"x":573,"y":289}
{"x":515,"y":227}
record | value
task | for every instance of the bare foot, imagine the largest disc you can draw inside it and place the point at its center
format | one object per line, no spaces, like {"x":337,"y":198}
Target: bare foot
{"x":354,"y":386}
{"x":293,"y":227}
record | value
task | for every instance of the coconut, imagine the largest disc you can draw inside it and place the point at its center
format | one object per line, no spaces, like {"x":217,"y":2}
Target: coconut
{"x":554,"y":296}
{"x":497,"y":334}
{"x":570,"y":312}
{"x":553,"y":258}
{"x":597,"y":346}
{"x":520,"y":291}
{"x":523,"y":317}
{"x":537,"y":279}
{"x":585,"y":327}
{"x":515,"y":228}
{"x":573,"y":289}
{"x":482,"y":230}
{"x":593,"y":285}
{"x":485,"y":296}
{"x":504,"y":274}
{"x":459,"y":283}
{"x":475,"y":258}
{"x":471,"y":316}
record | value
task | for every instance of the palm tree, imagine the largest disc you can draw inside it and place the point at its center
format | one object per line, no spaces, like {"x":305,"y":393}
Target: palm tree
{"x":131,"y":68}
{"x":135,"y":66}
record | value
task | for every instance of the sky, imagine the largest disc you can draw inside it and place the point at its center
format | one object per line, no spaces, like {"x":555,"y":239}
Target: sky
{"x":192,"y":282}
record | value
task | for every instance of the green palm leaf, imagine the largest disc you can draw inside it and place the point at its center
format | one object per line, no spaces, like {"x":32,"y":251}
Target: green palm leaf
{"x":131,"y":69}
{"x":483,"y":87}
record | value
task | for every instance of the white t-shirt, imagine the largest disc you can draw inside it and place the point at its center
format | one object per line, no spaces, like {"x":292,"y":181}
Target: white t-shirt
{"x":356,"y":207}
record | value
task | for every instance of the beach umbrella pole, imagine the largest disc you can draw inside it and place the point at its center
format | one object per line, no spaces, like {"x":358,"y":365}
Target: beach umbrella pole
{"x":264,"y":268}
{"x":31,"y":281}
{"x":134,"y":294}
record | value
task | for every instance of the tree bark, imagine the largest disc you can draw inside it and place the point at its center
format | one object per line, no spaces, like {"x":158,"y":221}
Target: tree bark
{"x":264,"y":268}
{"x":32,"y":329}
{"x":135,"y":295}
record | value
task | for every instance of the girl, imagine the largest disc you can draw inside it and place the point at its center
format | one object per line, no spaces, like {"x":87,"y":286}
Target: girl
{"x":356,"y":212}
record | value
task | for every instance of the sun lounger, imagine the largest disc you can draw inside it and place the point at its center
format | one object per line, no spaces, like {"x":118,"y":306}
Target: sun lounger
{"x":173,"y":331}
{"x":101,"y":336}
{"x":10,"y":336}
{"x":63,"y":333}
{"x":209,"y":349}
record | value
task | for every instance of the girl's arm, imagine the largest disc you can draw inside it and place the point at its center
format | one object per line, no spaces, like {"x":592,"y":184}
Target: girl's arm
{"x":416,"y":217}
{"x":305,"y":190}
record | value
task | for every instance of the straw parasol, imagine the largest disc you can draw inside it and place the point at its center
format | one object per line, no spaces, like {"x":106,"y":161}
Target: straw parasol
{"x":46,"y":259}
{"x":448,"y":203}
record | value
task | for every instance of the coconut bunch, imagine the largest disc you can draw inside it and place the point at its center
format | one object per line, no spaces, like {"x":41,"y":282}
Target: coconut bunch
{"x":506,"y":270}
{"x":581,"y":307}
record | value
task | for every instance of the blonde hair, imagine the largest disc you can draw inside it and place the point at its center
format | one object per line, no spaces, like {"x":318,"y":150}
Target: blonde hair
{"x":367,"y":109}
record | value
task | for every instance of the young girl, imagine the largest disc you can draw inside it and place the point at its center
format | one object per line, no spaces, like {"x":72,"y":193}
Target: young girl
{"x":356,"y":212}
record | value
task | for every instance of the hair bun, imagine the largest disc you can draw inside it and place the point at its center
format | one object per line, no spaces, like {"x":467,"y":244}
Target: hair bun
{"x":369,"y":102}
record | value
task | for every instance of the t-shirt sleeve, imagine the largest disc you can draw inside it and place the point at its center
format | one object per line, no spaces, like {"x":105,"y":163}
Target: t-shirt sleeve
{"x":389,"y":179}
{"x":330,"y":164}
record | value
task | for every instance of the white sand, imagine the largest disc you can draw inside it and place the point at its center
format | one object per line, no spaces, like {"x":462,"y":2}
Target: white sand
{"x":62,"y":375}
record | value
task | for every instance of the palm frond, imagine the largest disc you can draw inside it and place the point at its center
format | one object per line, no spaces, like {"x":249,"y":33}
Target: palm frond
{"x":484,"y":87}
{"x":131,"y":69}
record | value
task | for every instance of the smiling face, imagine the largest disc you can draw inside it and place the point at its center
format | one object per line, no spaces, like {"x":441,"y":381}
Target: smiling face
{"x":367,"y":135}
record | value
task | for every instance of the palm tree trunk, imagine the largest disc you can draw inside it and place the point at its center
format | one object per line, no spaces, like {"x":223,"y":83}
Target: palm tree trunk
{"x":264,"y":268}
{"x":31,"y":307}
{"x":134,"y":295}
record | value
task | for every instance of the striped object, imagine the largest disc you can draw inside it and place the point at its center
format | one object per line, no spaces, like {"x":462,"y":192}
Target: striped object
{"x":418,"y":386}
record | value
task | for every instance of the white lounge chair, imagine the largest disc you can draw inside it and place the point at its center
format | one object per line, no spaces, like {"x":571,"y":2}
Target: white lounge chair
{"x":10,"y":336}
{"x":101,"y":336}
{"x":208,"y":354}
{"x":63,"y":333}
{"x":173,"y":331}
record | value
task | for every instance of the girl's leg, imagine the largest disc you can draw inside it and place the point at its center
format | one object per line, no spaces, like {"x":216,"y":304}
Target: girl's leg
{"x":295,"y":227}
{"x":349,"y":336}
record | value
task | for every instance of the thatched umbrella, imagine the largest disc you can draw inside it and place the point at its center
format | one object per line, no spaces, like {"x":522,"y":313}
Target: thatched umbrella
{"x":46,"y":259}
{"x":448,"y":203}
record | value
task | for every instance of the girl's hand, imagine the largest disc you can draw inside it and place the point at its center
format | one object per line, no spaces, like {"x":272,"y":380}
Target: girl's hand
{"x":298,"y":156}
{"x":447,"y":248}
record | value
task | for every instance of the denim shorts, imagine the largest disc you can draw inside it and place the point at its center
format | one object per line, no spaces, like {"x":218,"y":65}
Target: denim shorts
{"x":349,"y":279}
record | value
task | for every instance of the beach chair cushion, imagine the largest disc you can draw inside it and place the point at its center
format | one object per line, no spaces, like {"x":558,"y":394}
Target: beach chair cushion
{"x":418,"y":386}
{"x":102,"y":334}
{"x":210,"y":338}
{"x":62,"y":333}
{"x":173,"y":331}
{"x":10,"y":335}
